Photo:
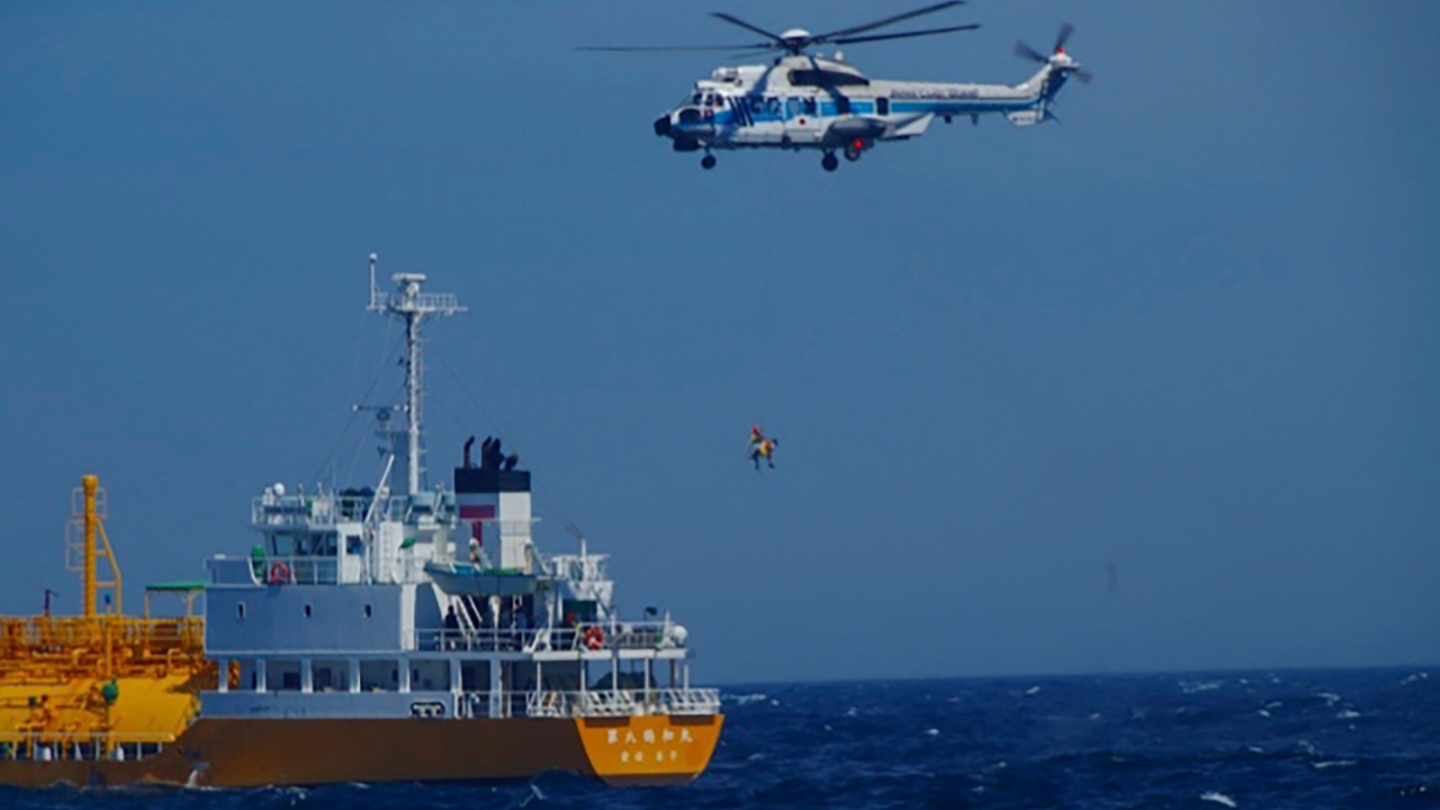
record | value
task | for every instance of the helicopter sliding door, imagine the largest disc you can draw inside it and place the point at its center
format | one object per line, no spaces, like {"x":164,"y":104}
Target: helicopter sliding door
{"x":802,"y":120}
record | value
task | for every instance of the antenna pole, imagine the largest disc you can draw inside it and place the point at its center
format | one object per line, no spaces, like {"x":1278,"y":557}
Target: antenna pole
{"x":413,"y":372}
{"x":412,"y":305}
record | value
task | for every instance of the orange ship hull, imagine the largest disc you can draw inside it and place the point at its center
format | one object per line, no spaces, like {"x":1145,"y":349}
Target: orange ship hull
{"x":222,"y":752}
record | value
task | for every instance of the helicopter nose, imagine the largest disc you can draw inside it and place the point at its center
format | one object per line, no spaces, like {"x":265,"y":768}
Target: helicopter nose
{"x":662,"y":125}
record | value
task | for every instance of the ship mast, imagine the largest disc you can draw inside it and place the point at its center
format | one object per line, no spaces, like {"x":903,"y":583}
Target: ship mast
{"x":412,"y":306}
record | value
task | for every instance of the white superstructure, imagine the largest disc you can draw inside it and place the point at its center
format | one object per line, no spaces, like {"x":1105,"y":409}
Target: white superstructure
{"x":432,"y":601}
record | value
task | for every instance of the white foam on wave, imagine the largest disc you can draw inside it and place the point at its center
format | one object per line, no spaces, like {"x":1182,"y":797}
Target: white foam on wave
{"x":1274,"y":704}
{"x":744,"y":699}
{"x":1191,"y":687}
{"x":1218,"y":798}
{"x":932,"y":732}
{"x":1414,"y":677}
{"x":1333,"y":763}
{"x":1034,"y":690}
{"x":1348,"y":714}
{"x":1263,"y":713}
{"x":852,"y":712}
{"x":1330,"y":698}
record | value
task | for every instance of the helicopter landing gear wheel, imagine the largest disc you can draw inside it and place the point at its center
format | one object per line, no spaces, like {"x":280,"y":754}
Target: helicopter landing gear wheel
{"x":829,"y":162}
{"x":852,"y":152}
{"x":707,"y":162}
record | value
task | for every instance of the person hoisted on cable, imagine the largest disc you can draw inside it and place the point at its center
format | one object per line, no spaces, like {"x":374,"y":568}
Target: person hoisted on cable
{"x":762,"y":446}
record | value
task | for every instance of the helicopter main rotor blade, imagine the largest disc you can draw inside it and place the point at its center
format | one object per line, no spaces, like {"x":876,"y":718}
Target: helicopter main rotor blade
{"x":887,"y":21}
{"x":1027,"y":52}
{"x":763,"y":46}
{"x":925,"y":33}
{"x":1064,"y":36}
{"x":1084,"y":75}
{"x":733,"y":20}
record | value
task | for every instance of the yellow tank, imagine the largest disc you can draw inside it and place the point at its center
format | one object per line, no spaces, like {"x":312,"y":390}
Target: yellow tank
{"x":93,"y":685}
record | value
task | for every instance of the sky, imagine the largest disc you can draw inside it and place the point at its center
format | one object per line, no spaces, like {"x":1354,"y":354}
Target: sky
{"x":1191,"y":335}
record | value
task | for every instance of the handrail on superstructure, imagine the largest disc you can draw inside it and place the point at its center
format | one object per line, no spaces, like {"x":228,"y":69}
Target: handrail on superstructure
{"x":625,"y":636}
{"x":621,"y":702}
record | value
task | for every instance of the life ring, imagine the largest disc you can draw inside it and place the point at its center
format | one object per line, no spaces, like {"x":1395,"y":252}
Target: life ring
{"x":594,"y":637}
{"x":279,"y":573}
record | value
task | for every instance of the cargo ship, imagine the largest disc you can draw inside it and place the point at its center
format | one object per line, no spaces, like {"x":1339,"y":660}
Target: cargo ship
{"x":400,"y":631}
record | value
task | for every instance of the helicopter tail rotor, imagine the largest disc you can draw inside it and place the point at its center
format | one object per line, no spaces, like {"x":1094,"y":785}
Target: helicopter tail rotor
{"x":1058,"y":58}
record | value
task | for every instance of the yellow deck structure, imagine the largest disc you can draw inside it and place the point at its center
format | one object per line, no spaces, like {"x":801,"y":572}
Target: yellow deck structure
{"x":99,"y":685}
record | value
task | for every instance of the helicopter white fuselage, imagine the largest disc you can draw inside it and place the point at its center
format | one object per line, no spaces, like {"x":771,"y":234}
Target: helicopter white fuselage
{"x":804,"y":102}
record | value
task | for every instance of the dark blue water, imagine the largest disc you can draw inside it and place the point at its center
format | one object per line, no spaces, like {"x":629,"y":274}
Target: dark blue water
{"x":1311,"y":739}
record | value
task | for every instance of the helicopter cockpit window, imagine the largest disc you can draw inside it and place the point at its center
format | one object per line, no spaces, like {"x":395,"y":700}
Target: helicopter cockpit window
{"x":809,"y":106}
{"x":695,"y":99}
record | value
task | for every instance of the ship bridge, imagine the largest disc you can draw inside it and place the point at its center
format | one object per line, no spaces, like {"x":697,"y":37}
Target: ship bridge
{"x":433,"y":601}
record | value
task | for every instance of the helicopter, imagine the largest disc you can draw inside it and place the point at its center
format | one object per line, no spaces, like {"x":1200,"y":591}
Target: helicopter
{"x":803,"y":100}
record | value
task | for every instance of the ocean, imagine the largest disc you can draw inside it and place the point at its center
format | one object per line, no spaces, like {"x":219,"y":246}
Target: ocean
{"x":1285,"y":739}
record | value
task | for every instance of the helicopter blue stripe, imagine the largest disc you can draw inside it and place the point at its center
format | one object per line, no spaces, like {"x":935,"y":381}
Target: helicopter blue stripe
{"x":979,"y":105}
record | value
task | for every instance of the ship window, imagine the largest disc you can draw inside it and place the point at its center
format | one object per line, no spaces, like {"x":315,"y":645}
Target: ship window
{"x":474,"y":676}
{"x":282,"y":676}
{"x":307,"y":611}
{"x":430,"y":676}
{"x":239,"y":610}
{"x":378,"y":676}
{"x":369,"y":611}
{"x":330,"y":676}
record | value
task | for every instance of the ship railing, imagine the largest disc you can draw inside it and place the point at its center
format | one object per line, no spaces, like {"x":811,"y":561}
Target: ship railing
{"x":282,"y":511}
{"x":588,"y":636}
{"x":61,"y":635}
{"x":82,"y":745}
{"x":283,"y":569}
{"x":478,"y":704}
{"x":490,"y":639}
{"x":622,"y":702}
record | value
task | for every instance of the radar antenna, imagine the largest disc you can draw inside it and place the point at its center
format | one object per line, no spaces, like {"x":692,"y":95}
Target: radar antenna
{"x":412,"y":305}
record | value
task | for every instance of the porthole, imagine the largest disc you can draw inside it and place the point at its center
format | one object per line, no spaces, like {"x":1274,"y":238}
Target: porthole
{"x":369,"y":611}
{"x":239,"y":610}
{"x":307,"y":611}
